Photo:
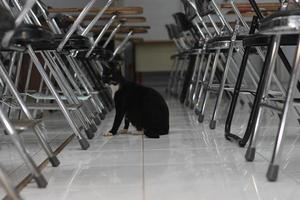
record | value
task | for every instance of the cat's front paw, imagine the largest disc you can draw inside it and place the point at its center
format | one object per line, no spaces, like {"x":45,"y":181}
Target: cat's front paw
{"x":123,"y":131}
{"x":108,"y":134}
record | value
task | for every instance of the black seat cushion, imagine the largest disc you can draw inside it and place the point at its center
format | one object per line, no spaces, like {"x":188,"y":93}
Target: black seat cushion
{"x":225,"y":38}
{"x":29,"y":33}
{"x":98,"y":52}
{"x":76,"y":42}
{"x":175,"y":31}
{"x":182,"y":21}
{"x":7,"y":21}
{"x":203,"y":7}
{"x":63,"y":21}
{"x":280,"y":14}
{"x":264,"y":40}
{"x":169,"y":31}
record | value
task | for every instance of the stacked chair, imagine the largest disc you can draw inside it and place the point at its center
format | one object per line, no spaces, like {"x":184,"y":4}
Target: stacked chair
{"x":70,"y":61}
{"x":218,"y":53}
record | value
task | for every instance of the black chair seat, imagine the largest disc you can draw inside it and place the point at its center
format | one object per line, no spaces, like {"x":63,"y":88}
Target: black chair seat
{"x":264,"y":40}
{"x":204,"y":8}
{"x":63,"y":21}
{"x":76,"y":42}
{"x":28,"y":34}
{"x":283,"y":23}
{"x":98,"y":52}
{"x":182,"y":21}
{"x":280,"y":14}
{"x":225,"y":38}
{"x":6,"y":20}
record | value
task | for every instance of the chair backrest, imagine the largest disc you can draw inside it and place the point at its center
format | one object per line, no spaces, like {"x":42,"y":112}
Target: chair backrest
{"x":181,"y":20}
{"x":7,"y":21}
{"x":203,"y":7}
{"x":188,"y":10}
{"x":64,"y":21}
{"x":176,"y":31}
{"x":170,"y":34}
{"x":37,"y":11}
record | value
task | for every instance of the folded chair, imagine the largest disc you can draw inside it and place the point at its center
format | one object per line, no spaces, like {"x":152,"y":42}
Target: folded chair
{"x":13,"y":129}
{"x":279,"y":25}
{"x":254,"y":42}
{"x":225,"y":41}
{"x":34,"y":36}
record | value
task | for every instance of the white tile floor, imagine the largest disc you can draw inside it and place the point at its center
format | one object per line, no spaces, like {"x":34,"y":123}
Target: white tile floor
{"x":192,"y":162}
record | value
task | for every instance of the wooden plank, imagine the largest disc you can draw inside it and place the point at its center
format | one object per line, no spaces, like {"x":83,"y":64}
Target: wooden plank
{"x":250,"y":13}
{"x":111,"y":10}
{"x":133,"y":39}
{"x":125,"y":29}
{"x":219,"y":24}
{"x":247,"y":6}
{"x":126,"y":19}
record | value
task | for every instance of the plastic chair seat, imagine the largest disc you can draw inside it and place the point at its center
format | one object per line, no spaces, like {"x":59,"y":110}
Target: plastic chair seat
{"x":264,"y":40}
{"x":29,"y":33}
{"x":63,"y":21}
{"x":98,"y":52}
{"x":283,"y":22}
{"x":226,"y":38}
{"x":6,"y":20}
{"x":182,"y":21}
{"x":204,"y":8}
{"x":22,"y":125}
{"x":223,"y":42}
{"x":76,"y":42}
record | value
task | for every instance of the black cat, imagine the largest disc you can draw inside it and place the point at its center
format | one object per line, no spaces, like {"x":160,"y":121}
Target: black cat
{"x":141,"y":106}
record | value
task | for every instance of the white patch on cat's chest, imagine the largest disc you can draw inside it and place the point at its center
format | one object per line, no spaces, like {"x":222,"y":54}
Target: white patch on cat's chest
{"x":114,"y":88}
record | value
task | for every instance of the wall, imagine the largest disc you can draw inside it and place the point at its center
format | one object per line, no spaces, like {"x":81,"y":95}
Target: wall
{"x":154,"y":57}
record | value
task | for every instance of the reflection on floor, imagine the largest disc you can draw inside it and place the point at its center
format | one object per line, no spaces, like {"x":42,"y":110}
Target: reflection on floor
{"x":192,"y":162}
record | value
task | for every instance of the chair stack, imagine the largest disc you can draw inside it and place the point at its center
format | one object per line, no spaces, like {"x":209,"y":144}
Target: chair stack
{"x":65,"y":60}
{"x":213,"y":57}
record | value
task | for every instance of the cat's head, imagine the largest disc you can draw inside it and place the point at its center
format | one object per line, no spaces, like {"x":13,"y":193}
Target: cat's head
{"x":112,"y":74}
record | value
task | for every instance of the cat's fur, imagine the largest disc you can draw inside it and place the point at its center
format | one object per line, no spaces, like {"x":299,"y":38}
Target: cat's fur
{"x":143,"y":107}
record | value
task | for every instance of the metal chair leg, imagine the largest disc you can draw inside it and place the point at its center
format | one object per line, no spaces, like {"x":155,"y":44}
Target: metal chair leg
{"x":235,"y":96}
{"x":176,"y":77}
{"x":11,"y":191}
{"x":83,"y":142}
{"x":207,"y":89}
{"x":197,"y":83}
{"x":272,"y":173}
{"x":191,"y":89}
{"x":38,"y":177}
{"x":171,"y":77}
{"x":201,"y":84}
{"x":68,"y":92}
{"x":37,"y":131}
{"x":264,"y":84}
{"x":213,"y":121}
{"x":181,"y":73}
{"x":187,"y":77}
